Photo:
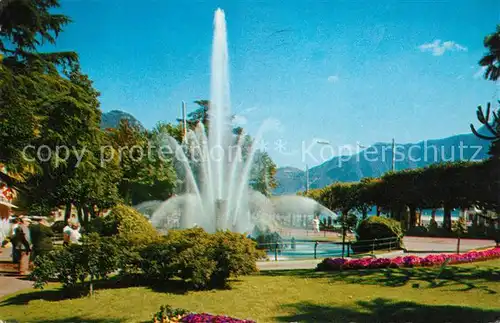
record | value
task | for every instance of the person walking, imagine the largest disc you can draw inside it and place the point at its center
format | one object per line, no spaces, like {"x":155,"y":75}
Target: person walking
{"x":15,"y":254}
{"x":316,"y":224}
{"x":75,"y":234}
{"x":21,"y":242}
{"x":41,"y":238}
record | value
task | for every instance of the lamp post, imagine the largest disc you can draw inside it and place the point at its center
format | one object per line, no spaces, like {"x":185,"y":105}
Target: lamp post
{"x":393,"y":155}
{"x":184,"y":120}
{"x":308,"y":182}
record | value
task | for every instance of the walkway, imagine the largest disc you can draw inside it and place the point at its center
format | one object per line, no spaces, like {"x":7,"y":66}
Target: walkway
{"x":10,"y":282}
{"x":421,"y":244}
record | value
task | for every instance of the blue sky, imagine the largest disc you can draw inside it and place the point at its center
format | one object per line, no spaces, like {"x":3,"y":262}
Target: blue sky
{"x":342,"y":71}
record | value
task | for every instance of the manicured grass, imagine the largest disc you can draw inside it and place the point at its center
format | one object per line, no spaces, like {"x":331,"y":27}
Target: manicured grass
{"x":463,"y":293}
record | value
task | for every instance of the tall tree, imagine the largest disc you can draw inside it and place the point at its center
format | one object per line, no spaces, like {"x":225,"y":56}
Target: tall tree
{"x":491,"y":60}
{"x":200,"y":115}
{"x":27,"y":24}
{"x":147,"y":173}
{"x":490,"y":119}
{"x":263,"y":174}
{"x":24,"y":72}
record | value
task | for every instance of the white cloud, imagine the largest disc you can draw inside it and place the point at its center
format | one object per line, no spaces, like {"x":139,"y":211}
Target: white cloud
{"x":239,"y":120}
{"x":333,"y":79}
{"x":479,"y":73}
{"x":438,"y":48}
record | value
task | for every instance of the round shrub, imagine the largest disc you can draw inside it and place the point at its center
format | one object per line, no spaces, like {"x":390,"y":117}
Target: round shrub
{"x":202,"y":259}
{"x":377,"y":227}
{"x":128,"y":224}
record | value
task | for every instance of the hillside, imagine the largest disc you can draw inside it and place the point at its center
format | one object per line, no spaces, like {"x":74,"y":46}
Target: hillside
{"x":112,"y":119}
{"x":377,"y":159}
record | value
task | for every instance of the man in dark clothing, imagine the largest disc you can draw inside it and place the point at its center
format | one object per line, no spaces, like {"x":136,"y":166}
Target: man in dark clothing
{"x":41,"y":238}
{"x":21,"y":242}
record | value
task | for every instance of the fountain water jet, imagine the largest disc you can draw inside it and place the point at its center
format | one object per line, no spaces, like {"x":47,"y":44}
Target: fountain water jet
{"x":217,"y":194}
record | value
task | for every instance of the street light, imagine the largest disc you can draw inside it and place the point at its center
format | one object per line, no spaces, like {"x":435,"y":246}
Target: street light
{"x":393,"y":155}
{"x":308,"y":182}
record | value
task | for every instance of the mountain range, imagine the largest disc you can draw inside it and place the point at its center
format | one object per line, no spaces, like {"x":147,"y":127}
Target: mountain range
{"x":375,"y":160}
{"x":112,"y":119}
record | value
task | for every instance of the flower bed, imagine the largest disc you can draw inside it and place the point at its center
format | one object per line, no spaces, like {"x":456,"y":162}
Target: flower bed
{"x":168,"y":314}
{"x":407,"y":261}
{"x":202,"y":318}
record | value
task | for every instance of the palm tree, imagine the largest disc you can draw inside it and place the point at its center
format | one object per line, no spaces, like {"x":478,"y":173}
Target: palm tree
{"x":491,"y":60}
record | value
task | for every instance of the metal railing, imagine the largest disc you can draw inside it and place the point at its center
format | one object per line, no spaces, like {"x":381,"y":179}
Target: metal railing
{"x":303,"y":249}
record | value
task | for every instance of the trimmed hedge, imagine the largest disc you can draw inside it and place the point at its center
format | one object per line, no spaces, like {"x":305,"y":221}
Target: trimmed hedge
{"x":377,"y":227}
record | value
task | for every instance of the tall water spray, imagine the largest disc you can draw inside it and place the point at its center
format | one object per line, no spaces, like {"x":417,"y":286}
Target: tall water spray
{"x":215,"y":173}
{"x":219,"y":112}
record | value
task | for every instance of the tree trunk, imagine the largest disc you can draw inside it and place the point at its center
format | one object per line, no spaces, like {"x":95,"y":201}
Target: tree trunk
{"x":413,"y":216}
{"x":91,"y":287}
{"x":474,"y":221}
{"x":396,"y":213}
{"x":365,"y":214}
{"x":67,"y":212}
{"x":85,"y":216}
{"x":447,"y":218}
{"x":79,"y":214}
{"x":344,"y":218}
{"x":378,"y":210}
{"x":93,"y":213}
{"x":433,"y":215}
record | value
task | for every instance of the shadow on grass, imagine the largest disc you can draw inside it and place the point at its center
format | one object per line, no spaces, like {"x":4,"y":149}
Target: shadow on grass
{"x":173,"y":286}
{"x":382,"y":310}
{"x":462,"y":278}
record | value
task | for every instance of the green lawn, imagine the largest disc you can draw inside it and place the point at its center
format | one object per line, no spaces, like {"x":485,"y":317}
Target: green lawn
{"x":466,"y":293}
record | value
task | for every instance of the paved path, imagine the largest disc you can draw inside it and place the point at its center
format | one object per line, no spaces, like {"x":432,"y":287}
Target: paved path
{"x":9,"y":285}
{"x":420,"y":244}
{"x":9,"y":281}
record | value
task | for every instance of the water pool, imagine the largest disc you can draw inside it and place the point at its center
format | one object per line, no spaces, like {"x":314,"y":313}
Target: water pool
{"x":305,"y":249}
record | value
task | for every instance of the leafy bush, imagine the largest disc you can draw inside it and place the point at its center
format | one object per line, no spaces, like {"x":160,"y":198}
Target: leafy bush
{"x":168,"y":314}
{"x":235,"y":256}
{"x":156,"y":262}
{"x":127,"y":223}
{"x":132,"y":232}
{"x":94,"y":259}
{"x":377,"y":227}
{"x":205,"y":260}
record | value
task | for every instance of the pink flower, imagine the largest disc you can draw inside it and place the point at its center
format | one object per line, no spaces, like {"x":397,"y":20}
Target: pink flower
{"x":408,"y":261}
